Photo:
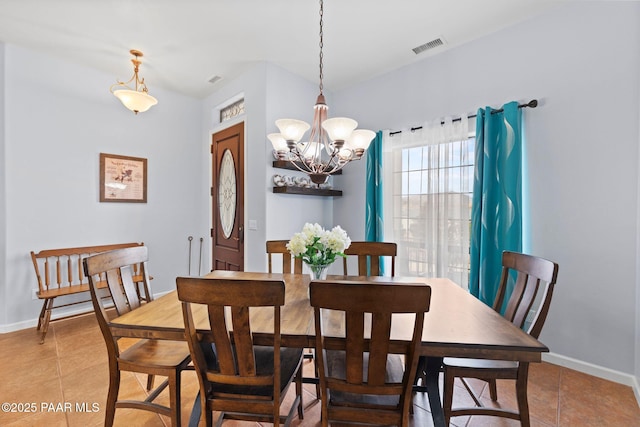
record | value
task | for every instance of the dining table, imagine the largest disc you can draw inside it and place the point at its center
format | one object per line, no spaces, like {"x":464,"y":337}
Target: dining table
{"x":456,"y":325}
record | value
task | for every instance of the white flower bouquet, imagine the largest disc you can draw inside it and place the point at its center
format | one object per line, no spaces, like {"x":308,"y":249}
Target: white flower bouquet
{"x":317,"y":246}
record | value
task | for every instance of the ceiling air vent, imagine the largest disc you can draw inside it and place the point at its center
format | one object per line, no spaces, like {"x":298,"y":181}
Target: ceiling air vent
{"x":215,"y":79}
{"x":430,"y":45}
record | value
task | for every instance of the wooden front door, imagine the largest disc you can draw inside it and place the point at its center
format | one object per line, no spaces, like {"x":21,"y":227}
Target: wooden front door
{"x":227,"y":191}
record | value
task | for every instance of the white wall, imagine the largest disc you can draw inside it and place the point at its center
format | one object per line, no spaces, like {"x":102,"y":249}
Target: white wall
{"x":582,"y":148}
{"x":270,"y":92}
{"x":3,"y":206}
{"x":58,"y":118}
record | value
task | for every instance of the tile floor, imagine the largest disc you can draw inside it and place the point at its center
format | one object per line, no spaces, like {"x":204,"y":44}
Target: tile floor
{"x":71,"y":368}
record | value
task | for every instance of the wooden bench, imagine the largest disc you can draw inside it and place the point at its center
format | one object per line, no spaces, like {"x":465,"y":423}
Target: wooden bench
{"x":60,"y":274}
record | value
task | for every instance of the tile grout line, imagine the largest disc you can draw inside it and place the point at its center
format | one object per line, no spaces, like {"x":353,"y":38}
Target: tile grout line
{"x":59,"y":370}
{"x":561,"y":375}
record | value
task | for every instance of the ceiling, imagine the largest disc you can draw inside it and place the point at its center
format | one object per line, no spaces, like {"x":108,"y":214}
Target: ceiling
{"x":188,"y":42}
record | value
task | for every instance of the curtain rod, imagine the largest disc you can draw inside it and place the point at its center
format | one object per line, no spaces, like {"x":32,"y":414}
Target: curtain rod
{"x":532,"y":104}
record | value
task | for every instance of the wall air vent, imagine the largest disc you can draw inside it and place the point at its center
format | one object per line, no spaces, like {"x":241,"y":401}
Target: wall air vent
{"x":427,"y":46}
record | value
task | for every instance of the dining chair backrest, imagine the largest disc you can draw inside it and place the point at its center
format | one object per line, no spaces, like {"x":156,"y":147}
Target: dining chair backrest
{"x":280,"y":247}
{"x":532,"y":280}
{"x":369,"y":257}
{"x":234,"y":375}
{"x":117,"y":268}
{"x":362,"y":378}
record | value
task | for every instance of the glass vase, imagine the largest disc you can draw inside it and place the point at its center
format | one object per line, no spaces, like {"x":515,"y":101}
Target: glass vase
{"x":318,"y":271}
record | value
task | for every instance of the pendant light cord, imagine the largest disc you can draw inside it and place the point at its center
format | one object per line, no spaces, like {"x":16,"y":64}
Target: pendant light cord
{"x":321,"y":43}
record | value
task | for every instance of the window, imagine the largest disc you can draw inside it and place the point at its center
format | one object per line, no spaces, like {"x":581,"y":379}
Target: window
{"x":231,"y":111}
{"x":429,"y":206}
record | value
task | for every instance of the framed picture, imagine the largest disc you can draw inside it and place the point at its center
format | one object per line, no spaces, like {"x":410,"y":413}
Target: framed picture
{"x":123,"y":179}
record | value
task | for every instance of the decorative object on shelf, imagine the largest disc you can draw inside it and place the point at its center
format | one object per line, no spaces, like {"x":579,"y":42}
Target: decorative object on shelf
{"x":309,"y":188}
{"x":337,"y":136}
{"x":318,"y":247}
{"x":136,"y":99}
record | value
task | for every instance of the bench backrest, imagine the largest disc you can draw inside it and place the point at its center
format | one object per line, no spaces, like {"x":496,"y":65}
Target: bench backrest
{"x":62,"y":268}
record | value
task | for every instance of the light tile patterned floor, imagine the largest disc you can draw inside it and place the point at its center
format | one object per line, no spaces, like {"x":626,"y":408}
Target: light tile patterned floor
{"x":71,"y":367}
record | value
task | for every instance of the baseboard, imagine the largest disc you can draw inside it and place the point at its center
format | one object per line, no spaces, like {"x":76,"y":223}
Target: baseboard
{"x":78,"y":309}
{"x":595,"y":370}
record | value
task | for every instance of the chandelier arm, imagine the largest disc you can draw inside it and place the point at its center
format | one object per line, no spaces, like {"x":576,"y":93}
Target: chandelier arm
{"x":300,"y":161}
{"x":337,"y":163}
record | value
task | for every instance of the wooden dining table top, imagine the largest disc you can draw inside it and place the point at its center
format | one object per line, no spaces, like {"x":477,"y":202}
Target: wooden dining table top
{"x":456,"y":325}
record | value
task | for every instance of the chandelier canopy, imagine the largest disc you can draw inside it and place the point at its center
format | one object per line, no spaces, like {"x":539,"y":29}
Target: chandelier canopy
{"x":136,"y":99}
{"x":337,"y":137}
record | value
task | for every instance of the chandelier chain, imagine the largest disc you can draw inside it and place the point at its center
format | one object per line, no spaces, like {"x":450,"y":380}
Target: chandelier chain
{"x":321,"y":44}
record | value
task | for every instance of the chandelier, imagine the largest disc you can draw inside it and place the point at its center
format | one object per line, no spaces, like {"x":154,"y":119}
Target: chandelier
{"x":136,"y":99}
{"x":332,"y":142}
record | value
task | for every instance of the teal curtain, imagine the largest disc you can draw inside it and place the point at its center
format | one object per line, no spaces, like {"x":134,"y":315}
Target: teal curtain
{"x":496,"y":213}
{"x":374,"y":226}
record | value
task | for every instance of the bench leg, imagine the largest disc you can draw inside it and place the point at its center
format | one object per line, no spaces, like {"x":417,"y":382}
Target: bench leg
{"x":45,"y":317}
{"x":41,"y":317}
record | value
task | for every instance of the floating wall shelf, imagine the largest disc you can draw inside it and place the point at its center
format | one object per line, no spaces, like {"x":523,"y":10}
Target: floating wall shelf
{"x":311,"y":191}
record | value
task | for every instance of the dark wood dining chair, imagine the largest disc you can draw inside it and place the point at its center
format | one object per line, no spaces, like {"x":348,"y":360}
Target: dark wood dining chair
{"x":280,"y":247}
{"x":239,"y":379}
{"x":533,"y":281}
{"x":147,"y":356}
{"x":363,"y":379}
{"x":369,"y":254}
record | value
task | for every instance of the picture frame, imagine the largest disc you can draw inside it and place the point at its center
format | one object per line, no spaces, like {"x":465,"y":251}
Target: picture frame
{"x":123,"y":179}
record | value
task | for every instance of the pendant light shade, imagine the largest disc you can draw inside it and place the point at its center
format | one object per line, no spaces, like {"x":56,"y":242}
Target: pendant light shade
{"x":138,"y":102}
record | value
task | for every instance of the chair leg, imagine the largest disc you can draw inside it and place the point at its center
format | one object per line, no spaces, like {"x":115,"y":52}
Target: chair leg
{"x":150,"y":382}
{"x":420,"y":375}
{"x":311,"y":356}
{"x":276,"y":415}
{"x":447,"y":399}
{"x":299,"y":392}
{"x":206,"y":413}
{"x":493,"y":390}
{"x":112,"y":396}
{"x":521,"y":392}
{"x":174,"y":398}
